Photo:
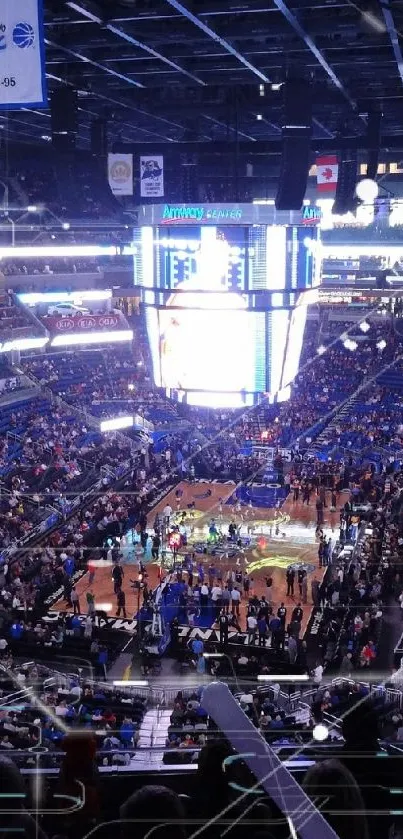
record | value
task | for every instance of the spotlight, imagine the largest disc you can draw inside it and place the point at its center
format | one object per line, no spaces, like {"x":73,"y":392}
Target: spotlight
{"x":364,"y":326}
{"x":367,"y":190}
{"x":320,"y":732}
{"x":32,"y":208}
{"x":381,"y":344}
{"x":259,"y":117}
{"x":321,"y":350}
{"x":350,"y":345}
{"x":66,"y":225}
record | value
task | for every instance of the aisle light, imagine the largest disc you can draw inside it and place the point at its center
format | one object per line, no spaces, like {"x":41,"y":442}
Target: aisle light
{"x":320,"y":732}
{"x":321,"y":350}
{"x":350,"y":345}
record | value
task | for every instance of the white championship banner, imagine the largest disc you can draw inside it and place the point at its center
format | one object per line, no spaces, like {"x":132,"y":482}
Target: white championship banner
{"x":152,"y":176}
{"x":22,"y":55}
{"x":120,"y":173}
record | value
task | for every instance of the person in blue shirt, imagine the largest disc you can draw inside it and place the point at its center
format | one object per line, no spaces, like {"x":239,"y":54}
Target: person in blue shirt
{"x":69,"y":566}
{"x":103,"y":660}
{"x":201,"y":665}
{"x":76,"y":625}
{"x":16,"y":631}
{"x":276,"y":723}
{"x":197,"y":646}
{"x":262,"y":630}
{"x":127,"y":730}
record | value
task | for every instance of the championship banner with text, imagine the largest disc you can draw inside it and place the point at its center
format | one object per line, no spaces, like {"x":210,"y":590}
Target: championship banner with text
{"x":152,"y":176}
{"x":120,"y":173}
{"x":22,"y":55}
{"x":84,"y":323}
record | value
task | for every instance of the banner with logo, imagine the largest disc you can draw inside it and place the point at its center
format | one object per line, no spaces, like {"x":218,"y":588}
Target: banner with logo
{"x":152,"y":176}
{"x":120,"y":173}
{"x":85,"y":323}
{"x":22,"y":55}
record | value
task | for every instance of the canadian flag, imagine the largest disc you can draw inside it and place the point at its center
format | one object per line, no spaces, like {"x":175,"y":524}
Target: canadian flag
{"x":327,"y":171}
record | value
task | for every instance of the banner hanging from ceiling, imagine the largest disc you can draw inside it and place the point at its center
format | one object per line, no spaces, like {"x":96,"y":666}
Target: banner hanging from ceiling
{"x":152,"y":176}
{"x":22,"y":55}
{"x":327,"y":173}
{"x":120,"y":173}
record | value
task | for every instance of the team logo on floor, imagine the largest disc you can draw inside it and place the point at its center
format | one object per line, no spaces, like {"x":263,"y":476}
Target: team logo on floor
{"x":277,"y":561}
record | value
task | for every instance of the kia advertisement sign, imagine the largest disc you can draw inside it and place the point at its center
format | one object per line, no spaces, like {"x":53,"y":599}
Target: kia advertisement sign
{"x":85,"y":323}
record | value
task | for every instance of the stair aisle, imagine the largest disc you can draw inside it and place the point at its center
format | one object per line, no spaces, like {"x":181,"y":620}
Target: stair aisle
{"x":147,"y":727}
{"x":161,"y":734}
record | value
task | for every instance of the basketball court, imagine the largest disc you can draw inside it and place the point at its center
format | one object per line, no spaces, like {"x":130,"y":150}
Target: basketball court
{"x":272,"y":540}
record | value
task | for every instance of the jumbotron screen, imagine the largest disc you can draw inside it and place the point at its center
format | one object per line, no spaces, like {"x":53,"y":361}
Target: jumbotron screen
{"x":206,"y":344}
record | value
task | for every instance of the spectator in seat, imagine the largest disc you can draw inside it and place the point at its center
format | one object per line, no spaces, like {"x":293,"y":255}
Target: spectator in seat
{"x":18,"y":821}
{"x":153,"y":810}
{"x":79,"y":767}
{"x":127,"y":731}
{"x":344,"y":809}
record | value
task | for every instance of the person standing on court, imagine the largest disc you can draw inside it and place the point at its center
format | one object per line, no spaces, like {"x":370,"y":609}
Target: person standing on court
{"x":305,"y":588}
{"x":121,"y":603}
{"x":223,"y":623}
{"x":290,"y":577}
{"x":282,"y":614}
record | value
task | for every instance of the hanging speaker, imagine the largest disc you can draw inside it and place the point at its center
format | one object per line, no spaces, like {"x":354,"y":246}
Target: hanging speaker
{"x":345,"y":200}
{"x":63,"y":112}
{"x":99,"y":138}
{"x":296,"y":136}
{"x":373,"y":143}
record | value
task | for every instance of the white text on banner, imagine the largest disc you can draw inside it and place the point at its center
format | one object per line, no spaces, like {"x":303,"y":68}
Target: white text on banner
{"x":120,"y":173}
{"x":152,"y":177}
{"x":22,"y":55}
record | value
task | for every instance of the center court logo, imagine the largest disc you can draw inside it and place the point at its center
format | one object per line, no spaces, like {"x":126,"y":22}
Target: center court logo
{"x":23,"y":35}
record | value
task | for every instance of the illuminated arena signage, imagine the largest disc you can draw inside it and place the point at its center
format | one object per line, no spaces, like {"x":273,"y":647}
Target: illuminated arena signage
{"x":311,"y":215}
{"x":200,"y":213}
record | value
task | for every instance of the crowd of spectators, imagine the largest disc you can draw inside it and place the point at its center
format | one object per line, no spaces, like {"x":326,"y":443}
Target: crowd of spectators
{"x":106,"y":382}
{"x":54,"y":266}
{"x":14,"y":321}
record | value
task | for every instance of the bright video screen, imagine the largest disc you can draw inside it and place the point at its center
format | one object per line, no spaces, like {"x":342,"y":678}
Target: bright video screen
{"x":205,"y":343}
{"x":205,"y":335}
{"x":208,"y":345}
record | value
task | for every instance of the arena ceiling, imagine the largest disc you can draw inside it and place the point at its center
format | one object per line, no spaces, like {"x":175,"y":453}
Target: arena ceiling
{"x":176,"y":71}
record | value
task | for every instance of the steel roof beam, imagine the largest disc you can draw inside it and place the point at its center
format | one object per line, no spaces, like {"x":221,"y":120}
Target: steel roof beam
{"x":90,"y":61}
{"x":393,"y":35}
{"x":295,"y":24}
{"x":218,"y":39}
{"x":133,"y":41}
{"x":272,"y":146}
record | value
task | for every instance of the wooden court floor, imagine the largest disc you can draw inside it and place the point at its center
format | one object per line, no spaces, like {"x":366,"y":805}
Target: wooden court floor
{"x":270,"y":553}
